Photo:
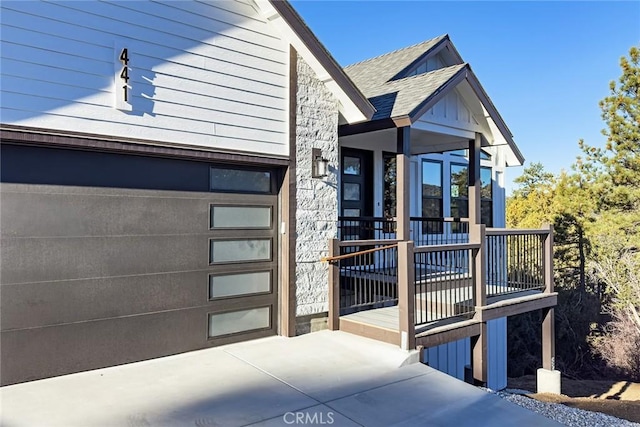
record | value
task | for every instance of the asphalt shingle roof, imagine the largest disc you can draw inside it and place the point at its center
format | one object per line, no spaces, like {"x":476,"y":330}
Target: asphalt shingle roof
{"x":398,"y":97}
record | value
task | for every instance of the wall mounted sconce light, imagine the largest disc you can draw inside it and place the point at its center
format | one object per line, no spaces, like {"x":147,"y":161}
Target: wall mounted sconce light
{"x":319,"y":165}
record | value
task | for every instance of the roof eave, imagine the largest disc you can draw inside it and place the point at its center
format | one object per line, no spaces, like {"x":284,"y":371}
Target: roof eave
{"x":354,"y":106}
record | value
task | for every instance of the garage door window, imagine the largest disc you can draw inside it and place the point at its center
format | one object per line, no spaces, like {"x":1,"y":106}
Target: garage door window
{"x":239,"y":321}
{"x":240,"y":250}
{"x":229,"y":285}
{"x":240,"y":181}
{"x":248,"y":217}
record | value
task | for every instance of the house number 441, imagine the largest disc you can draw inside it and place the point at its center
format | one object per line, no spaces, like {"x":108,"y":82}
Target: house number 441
{"x":124,"y":74}
{"x":121,"y":77}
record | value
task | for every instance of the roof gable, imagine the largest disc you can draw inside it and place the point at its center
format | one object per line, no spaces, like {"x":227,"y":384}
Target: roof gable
{"x":443,"y":50}
{"x":405,"y":96}
{"x":375,"y":72}
{"x":402,"y":99}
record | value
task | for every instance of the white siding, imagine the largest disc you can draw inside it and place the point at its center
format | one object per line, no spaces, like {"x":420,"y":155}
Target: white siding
{"x":430,"y":64}
{"x":499,"y":201}
{"x":210,"y":74}
{"x":434,"y":63}
{"x":451,"y":111}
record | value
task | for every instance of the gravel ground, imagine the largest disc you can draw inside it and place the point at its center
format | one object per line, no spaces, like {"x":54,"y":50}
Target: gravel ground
{"x":561,"y":413}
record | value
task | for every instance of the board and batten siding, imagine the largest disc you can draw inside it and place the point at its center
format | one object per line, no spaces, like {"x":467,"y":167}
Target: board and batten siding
{"x":452,"y":112}
{"x":451,"y":358}
{"x":430,"y":64}
{"x":202,"y":74}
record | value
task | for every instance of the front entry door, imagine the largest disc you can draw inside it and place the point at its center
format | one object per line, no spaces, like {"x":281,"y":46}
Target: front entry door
{"x":357,"y":193}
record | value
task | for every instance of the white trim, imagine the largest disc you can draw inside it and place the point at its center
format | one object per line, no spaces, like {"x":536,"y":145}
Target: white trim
{"x":444,"y":129}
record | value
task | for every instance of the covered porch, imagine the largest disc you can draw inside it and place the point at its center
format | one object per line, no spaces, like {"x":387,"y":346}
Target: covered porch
{"x":420,"y":282}
{"x":422,"y":256}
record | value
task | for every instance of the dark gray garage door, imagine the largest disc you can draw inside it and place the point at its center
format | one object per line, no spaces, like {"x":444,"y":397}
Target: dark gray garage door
{"x":109,"y":258}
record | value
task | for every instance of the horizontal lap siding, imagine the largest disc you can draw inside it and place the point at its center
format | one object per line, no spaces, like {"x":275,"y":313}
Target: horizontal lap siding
{"x":202,"y":74}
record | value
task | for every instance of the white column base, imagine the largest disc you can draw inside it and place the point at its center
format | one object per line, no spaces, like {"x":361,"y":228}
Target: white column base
{"x":549,"y":381}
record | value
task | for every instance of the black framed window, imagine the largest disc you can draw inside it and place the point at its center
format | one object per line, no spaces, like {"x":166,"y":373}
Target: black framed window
{"x":460,"y":194}
{"x":432,"y":195}
{"x":459,"y":191}
{"x":486,"y":200}
{"x":390,"y":177}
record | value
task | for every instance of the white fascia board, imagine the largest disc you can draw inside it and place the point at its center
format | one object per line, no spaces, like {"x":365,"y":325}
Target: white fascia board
{"x":501,"y":144}
{"x":514,"y":158}
{"x":494,"y":134}
{"x":346,"y":106}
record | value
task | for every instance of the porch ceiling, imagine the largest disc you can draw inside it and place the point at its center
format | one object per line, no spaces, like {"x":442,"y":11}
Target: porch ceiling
{"x":422,"y":141}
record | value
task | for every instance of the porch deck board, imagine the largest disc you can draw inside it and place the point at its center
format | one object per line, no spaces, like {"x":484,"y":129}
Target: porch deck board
{"x":386,"y":317}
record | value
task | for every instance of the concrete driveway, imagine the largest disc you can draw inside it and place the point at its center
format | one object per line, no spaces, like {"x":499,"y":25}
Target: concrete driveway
{"x":324,"y":378}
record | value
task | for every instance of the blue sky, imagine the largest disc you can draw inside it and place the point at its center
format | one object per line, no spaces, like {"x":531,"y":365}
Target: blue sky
{"x":545,"y":64}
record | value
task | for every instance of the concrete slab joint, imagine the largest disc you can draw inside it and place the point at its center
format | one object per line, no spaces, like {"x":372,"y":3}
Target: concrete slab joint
{"x":316,"y":198}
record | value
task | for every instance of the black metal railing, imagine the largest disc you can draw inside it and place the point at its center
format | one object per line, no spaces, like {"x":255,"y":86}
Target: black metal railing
{"x":424,"y":231}
{"x":515,"y":260}
{"x":444,"y":285}
{"x":366,"y":228}
{"x":368,"y":276}
{"x":435,"y":282}
{"x":439,"y":231}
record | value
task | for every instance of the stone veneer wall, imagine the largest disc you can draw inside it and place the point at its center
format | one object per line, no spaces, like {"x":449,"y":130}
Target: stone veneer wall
{"x":317,"y":198}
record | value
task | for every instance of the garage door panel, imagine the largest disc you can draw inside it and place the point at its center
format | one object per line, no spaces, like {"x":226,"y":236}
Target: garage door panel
{"x":43,"y":211}
{"x":67,"y":301}
{"x":90,"y":345}
{"x":35,"y":259}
